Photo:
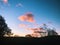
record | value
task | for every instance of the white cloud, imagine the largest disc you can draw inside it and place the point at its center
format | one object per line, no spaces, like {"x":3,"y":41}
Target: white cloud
{"x":19,"y":5}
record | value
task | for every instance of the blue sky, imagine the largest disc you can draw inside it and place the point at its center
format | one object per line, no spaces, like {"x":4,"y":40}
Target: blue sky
{"x":44,"y":11}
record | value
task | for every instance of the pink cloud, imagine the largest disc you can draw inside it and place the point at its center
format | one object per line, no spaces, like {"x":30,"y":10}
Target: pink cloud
{"x":22,"y":25}
{"x":28,"y":17}
{"x":36,"y":29}
{"x":5,"y":1}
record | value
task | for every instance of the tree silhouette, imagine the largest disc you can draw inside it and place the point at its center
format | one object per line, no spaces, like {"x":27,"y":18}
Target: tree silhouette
{"x":49,"y":30}
{"x":8,"y":32}
{"x":52,"y":32}
{"x":44,"y":31}
{"x":3,"y":27}
{"x":28,"y":35}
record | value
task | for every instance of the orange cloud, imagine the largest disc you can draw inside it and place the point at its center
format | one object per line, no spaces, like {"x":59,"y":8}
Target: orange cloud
{"x":22,"y":18}
{"x":28,"y":17}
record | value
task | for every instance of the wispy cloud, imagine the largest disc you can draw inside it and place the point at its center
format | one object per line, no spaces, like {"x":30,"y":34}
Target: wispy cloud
{"x":34,"y":29}
{"x":19,"y":5}
{"x":28,"y":17}
{"x":22,"y":25}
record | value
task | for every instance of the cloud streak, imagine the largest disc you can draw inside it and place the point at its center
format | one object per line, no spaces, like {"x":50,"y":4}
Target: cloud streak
{"x":22,"y":25}
{"x":34,"y":29}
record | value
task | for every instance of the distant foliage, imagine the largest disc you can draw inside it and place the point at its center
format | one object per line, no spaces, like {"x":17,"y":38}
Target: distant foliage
{"x":28,"y":35}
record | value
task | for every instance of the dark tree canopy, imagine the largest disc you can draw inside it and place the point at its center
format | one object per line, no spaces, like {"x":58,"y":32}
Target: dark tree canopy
{"x":3,"y":27}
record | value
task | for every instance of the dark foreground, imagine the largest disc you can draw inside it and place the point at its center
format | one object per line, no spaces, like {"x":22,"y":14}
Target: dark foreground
{"x":32,"y":41}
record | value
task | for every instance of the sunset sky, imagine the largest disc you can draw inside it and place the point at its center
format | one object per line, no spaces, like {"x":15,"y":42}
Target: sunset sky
{"x":16,"y":13}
